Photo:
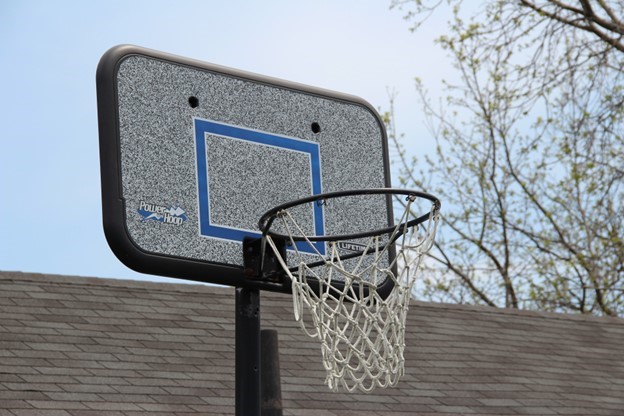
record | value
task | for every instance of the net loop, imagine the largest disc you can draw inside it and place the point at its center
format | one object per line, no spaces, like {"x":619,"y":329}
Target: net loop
{"x":336,"y":299}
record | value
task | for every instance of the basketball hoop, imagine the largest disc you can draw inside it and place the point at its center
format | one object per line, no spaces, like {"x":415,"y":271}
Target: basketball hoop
{"x":336,"y":297}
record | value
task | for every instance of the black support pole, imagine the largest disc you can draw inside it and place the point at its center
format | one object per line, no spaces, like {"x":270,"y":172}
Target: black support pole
{"x":270,"y":374}
{"x":247,"y":352}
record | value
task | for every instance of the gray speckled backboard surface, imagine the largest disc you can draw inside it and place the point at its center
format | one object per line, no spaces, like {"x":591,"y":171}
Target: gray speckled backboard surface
{"x":165,"y":157}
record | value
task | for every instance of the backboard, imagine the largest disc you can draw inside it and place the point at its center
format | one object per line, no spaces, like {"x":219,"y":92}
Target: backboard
{"x":192,"y":154}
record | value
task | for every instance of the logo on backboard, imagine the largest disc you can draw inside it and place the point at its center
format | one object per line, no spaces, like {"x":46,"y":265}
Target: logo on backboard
{"x":161,"y":213}
{"x":349,"y":246}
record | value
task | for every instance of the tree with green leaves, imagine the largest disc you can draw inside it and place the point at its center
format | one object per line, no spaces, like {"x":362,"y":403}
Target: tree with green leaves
{"x":529,"y":161}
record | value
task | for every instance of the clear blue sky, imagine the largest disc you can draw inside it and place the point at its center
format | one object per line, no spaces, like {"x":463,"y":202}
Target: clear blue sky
{"x":50,"y":213}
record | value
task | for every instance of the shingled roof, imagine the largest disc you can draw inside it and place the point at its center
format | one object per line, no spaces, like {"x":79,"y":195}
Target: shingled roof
{"x":74,"y":346}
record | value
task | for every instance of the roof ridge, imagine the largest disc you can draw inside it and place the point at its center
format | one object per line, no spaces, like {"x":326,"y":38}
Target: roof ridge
{"x":195,"y":287}
{"x":106,"y":282}
{"x":518,"y":312}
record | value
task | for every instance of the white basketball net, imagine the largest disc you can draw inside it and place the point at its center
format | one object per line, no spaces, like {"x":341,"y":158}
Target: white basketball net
{"x":362,"y":335}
